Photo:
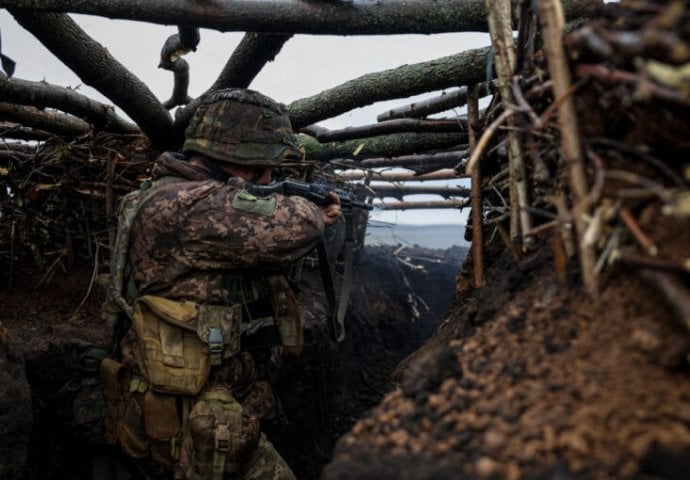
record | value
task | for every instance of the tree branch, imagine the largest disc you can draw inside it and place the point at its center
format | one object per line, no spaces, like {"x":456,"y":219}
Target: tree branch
{"x":175,"y":46}
{"x":461,"y":69}
{"x":96,"y":67}
{"x":53,"y":122}
{"x":42,"y":94}
{"x":354,"y":17}
{"x":441,"y":159}
{"x":445,"y":101}
{"x":403,"y":125}
{"x":381,"y":146}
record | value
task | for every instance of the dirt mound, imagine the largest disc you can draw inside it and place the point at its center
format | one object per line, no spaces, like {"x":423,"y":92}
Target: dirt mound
{"x":542,"y":383}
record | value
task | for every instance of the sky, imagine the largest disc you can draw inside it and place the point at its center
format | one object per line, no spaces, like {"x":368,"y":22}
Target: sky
{"x":307,"y":65}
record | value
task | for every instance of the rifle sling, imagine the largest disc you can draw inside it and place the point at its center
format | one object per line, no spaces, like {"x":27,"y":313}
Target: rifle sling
{"x":346,"y":283}
{"x":327,"y":278}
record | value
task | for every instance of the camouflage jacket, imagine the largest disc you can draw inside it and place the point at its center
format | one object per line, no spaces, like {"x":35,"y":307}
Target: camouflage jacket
{"x":188,"y":234}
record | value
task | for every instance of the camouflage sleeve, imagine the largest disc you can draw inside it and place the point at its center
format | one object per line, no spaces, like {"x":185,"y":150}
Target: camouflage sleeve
{"x":224,"y":230}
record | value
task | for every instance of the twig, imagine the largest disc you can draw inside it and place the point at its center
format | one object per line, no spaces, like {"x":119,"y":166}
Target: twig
{"x":94,"y":274}
{"x":552,"y":22}
{"x":517,"y":254}
{"x":642,"y":238}
{"x":652,"y":262}
{"x":476,"y":195}
{"x":631,"y":150}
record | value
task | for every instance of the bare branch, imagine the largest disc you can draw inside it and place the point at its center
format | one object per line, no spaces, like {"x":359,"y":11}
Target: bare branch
{"x":42,"y":94}
{"x":446,"y":174}
{"x":17,"y":132}
{"x":441,"y":160}
{"x":445,"y":101}
{"x":53,"y":122}
{"x":381,"y":146}
{"x":175,"y":46}
{"x":464,"y":68}
{"x":403,"y":125}
{"x":354,"y":17}
{"x":96,"y":67}
{"x":399,"y":191}
{"x":433,"y":204}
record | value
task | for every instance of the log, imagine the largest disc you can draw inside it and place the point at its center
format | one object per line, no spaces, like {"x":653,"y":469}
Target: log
{"x":324,"y":135}
{"x":422,"y":205}
{"x":384,"y":145}
{"x":400,"y":191}
{"x":17,"y":132}
{"x":446,"y":101}
{"x":464,"y":68}
{"x":449,"y":159}
{"x":42,"y":94}
{"x":54,"y":122}
{"x":96,"y":67}
{"x":354,"y":17}
{"x":446,"y":174}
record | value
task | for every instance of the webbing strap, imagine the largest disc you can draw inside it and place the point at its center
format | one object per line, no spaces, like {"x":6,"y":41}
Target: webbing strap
{"x":346,"y":283}
{"x":328,"y":286}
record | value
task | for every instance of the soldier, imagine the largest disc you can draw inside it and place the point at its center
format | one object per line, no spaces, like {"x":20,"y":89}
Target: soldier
{"x":209,"y":295}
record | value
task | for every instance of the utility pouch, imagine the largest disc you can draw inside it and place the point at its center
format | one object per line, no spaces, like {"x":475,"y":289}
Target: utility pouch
{"x":287,"y":315}
{"x":125,"y":417}
{"x":115,"y":380}
{"x":219,"y":327}
{"x":179,"y":341}
{"x":172,"y":358}
{"x":218,"y":437}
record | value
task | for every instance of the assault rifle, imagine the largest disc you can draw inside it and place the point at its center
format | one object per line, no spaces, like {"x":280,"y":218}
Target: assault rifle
{"x":317,"y":193}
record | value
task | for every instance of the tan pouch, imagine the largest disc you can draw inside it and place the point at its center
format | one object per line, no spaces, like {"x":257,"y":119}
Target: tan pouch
{"x":115,"y":378}
{"x":161,"y":419}
{"x":173,"y":358}
{"x":131,"y":434}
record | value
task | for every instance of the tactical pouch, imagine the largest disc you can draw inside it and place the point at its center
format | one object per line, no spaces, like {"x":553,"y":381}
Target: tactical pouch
{"x":287,"y":315}
{"x":217,"y":438}
{"x":125,"y":417}
{"x":179,"y":341}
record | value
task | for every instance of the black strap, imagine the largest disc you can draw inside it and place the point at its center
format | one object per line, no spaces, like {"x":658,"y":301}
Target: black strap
{"x":328,"y":286}
{"x":346,"y":284}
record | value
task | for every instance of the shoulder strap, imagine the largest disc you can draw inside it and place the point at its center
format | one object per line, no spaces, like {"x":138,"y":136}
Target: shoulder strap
{"x":127,"y":211}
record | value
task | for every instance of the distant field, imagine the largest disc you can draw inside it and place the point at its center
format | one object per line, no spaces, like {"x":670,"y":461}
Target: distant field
{"x":430,"y":236}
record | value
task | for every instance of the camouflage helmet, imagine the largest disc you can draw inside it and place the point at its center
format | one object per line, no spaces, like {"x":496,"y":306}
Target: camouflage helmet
{"x":242,"y":127}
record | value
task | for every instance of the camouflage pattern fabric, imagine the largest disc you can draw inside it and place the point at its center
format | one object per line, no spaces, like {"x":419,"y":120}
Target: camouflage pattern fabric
{"x":242,"y":127}
{"x":266,"y":464}
{"x":186,"y":234}
{"x":186,"y":239}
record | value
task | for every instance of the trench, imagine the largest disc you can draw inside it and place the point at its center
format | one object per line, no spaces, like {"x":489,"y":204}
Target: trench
{"x":399,"y":296}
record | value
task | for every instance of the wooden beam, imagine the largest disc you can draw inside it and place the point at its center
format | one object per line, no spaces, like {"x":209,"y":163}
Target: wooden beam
{"x":403,"y":125}
{"x":400,"y":191}
{"x":446,"y":101}
{"x":352,"y":17}
{"x":445,"y":174}
{"x":447,"y":159}
{"x":438,"y":204}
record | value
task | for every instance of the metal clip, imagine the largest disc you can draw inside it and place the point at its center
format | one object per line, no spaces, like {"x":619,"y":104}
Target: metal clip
{"x":215,"y":345}
{"x":223,"y":437}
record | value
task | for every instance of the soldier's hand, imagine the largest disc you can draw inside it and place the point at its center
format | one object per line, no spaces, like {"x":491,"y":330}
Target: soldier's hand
{"x":331,"y":213}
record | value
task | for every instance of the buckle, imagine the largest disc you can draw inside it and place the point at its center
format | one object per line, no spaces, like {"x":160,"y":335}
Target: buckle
{"x":215,"y":340}
{"x":222,"y":437}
